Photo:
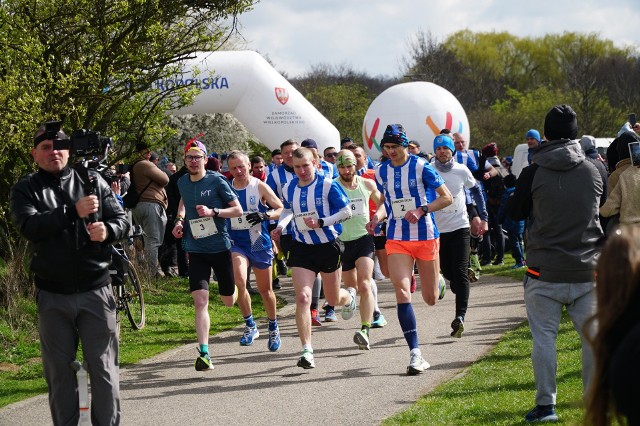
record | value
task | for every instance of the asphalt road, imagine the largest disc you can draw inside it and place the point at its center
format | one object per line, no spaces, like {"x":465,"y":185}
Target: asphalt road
{"x":252,"y":386}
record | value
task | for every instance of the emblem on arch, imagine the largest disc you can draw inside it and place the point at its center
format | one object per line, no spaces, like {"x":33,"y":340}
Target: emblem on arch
{"x":282,"y":95}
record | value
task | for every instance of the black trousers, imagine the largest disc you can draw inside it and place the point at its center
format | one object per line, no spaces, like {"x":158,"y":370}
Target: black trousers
{"x":454,"y":263}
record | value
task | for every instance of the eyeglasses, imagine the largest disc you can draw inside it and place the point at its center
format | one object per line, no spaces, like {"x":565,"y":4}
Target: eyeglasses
{"x":193,"y":158}
{"x":332,"y":154}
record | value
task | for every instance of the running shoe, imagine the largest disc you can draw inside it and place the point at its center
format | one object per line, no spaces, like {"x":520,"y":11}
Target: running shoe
{"x":361,"y":339}
{"x":315,"y":318}
{"x":417,"y":364}
{"x":542,"y":413}
{"x":274,"y":340}
{"x":281,"y":267}
{"x":330,"y":315}
{"x":475,"y":262}
{"x":414,"y":284}
{"x":306,"y":360}
{"x":442,"y":287}
{"x":275,"y":285}
{"x":457,"y":325}
{"x":473,"y":275}
{"x":349,"y":308}
{"x":203,"y":362}
{"x":250,"y":333}
{"x":379,"y":320}
{"x":518,"y":266}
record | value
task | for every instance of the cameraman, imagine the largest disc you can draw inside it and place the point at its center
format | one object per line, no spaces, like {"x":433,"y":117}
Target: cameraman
{"x":70,"y":261}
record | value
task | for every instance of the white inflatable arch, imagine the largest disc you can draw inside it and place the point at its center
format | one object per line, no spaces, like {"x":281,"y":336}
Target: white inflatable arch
{"x":244,"y":84}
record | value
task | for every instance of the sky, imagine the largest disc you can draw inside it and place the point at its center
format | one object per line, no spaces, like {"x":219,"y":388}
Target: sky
{"x":374,"y":36}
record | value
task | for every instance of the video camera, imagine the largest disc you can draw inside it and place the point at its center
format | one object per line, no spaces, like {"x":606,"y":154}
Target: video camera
{"x":83,"y":143}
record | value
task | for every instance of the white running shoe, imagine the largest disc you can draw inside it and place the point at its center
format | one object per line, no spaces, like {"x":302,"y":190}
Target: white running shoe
{"x":349,"y":308}
{"x":417,"y":364}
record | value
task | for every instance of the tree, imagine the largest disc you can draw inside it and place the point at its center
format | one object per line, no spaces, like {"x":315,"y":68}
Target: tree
{"x":96,"y":62}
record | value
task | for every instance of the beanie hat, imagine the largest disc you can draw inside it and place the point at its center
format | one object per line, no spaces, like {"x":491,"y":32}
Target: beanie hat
{"x":213,"y":164}
{"x":309,"y":143}
{"x":533,"y":133}
{"x":623,"y":141}
{"x":195,"y":145}
{"x":443,"y":140}
{"x":509,"y":159}
{"x":490,"y":150}
{"x":509,"y":181}
{"x":395,"y":134}
{"x":561,"y":123}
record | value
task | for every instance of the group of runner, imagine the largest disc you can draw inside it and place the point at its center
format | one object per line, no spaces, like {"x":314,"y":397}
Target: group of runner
{"x":329,"y":230}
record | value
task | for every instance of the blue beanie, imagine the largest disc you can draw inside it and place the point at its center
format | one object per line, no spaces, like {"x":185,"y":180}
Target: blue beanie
{"x":395,"y":134}
{"x":533,"y":133}
{"x":443,"y":140}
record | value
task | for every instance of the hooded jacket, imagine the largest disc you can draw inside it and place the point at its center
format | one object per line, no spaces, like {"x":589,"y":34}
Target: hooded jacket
{"x":559,"y":196}
{"x":64,"y":260}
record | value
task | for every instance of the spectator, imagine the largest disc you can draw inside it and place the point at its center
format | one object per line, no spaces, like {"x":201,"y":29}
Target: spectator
{"x":258,"y":168}
{"x":533,"y":141}
{"x":276,"y":160}
{"x":150,"y":213}
{"x":514,"y":228}
{"x":622,"y":154}
{"x":174,"y":255}
{"x":625,"y":197}
{"x":614,"y":390}
{"x":494,"y":188}
{"x":559,"y":194}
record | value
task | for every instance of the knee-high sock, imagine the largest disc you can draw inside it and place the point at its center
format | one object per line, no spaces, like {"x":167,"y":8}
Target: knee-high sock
{"x":408,"y":324}
{"x":315,"y":294}
{"x":374,"y":290}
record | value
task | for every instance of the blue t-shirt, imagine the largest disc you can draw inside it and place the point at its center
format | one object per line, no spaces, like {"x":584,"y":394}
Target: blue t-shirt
{"x":213,"y":190}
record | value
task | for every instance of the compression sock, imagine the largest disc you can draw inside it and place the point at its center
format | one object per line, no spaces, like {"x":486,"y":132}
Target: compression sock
{"x":315,"y":293}
{"x":273,"y":324}
{"x":374,"y":291}
{"x":408,"y":325}
{"x":365,"y":327}
{"x":248,"y":320}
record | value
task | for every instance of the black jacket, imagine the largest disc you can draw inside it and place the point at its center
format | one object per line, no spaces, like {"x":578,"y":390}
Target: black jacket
{"x":64,"y":260}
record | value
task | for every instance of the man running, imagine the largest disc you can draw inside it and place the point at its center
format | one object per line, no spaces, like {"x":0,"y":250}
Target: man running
{"x":207,"y":199}
{"x":315,"y":206}
{"x":406,"y":182}
{"x":252,"y":246}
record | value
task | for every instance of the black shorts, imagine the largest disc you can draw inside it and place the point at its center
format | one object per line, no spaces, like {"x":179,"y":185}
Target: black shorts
{"x":379,"y":242}
{"x":325,"y":257}
{"x":200,"y":266}
{"x":354,"y":250}
{"x":285,"y":244}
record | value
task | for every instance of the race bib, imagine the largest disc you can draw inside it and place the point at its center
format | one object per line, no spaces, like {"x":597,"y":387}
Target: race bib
{"x":401,"y":206}
{"x":240,"y":223}
{"x":358,"y":207}
{"x":299,"y":219}
{"x":451,"y":208}
{"x":203,"y":227}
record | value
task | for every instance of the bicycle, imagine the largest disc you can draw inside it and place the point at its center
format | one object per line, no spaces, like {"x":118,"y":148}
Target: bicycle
{"x":127,"y":288}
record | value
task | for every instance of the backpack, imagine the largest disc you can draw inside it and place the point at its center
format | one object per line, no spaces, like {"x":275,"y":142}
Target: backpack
{"x":131,"y":198}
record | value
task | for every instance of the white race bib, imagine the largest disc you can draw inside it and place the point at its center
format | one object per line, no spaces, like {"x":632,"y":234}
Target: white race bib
{"x":240,"y":223}
{"x":203,"y":227}
{"x":401,"y":206}
{"x":299,"y":218}
{"x":358,"y":207}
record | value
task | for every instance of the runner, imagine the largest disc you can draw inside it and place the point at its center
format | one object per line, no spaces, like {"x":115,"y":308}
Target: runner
{"x":359,"y":250}
{"x":207,"y":199}
{"x":315,"y":206}
{"x":252,"y":246}
{"x":406,"y":182}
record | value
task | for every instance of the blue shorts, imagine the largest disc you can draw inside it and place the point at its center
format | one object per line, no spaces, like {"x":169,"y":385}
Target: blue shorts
{"x":257,"y":259}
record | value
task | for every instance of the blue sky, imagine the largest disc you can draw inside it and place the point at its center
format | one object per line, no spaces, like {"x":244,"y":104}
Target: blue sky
{"x":373,"y":35}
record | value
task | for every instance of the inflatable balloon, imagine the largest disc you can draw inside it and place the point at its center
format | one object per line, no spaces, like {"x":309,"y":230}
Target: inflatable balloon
{"x":244,"y":84}
{"x":422,"y":108}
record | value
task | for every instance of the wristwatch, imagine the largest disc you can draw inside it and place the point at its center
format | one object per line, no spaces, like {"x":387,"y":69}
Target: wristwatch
{"x":216,"y":212}
{"x":320,"y":223}
{"x":425,"y":208}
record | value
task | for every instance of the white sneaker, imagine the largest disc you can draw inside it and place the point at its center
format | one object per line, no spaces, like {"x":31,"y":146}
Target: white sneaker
{"x":417,"y":364}
{"x":349,"y":308}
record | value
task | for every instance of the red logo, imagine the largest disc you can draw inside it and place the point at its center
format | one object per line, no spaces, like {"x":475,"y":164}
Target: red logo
{"x":282,"y":95}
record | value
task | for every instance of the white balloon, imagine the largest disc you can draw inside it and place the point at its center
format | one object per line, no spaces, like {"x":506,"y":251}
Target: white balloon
{"x":422,"y":108}
{"x":244,"y":84}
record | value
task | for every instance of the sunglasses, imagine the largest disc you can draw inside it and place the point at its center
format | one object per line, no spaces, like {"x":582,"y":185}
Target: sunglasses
{"x":331,"y":154}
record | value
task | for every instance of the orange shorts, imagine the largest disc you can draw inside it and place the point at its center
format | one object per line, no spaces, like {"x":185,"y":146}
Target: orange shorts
{"x":423,"y":250}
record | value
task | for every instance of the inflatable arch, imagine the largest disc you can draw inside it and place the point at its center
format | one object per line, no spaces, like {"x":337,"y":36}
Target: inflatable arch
{"x":244,"y":84}
{"x":422,"y":108}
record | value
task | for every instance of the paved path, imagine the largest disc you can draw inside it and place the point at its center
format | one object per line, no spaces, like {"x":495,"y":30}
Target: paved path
{"x":252,"y":386}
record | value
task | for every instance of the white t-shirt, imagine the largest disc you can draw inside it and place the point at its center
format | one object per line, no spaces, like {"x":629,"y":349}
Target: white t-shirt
{"x":454,"y":216}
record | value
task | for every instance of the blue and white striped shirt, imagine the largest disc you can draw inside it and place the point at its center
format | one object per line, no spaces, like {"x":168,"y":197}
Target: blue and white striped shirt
{"x":415,"y":182}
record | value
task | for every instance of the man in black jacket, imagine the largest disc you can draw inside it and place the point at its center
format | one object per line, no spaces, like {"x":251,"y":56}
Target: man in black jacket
{"x":70,"y":234}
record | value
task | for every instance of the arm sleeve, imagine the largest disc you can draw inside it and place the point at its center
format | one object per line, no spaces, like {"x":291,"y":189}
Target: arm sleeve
{"x":285,"y":218}
{"x":476,"y":193}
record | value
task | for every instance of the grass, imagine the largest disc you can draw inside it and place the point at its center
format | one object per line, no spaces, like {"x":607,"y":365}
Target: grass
{"x":170,"y":323}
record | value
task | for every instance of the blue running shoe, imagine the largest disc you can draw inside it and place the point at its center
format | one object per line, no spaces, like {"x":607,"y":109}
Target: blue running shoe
{"x":350,"y":308}
{"x":379,"y":321}
{"x":250,"y":333}
{"x":330,"y":315}
{"x":274,"y":340}
{"x":542,"y":413}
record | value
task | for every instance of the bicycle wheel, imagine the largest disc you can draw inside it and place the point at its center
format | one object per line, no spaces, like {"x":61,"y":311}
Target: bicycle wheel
{"x":118,"y":309}
{"x":132,"y":298}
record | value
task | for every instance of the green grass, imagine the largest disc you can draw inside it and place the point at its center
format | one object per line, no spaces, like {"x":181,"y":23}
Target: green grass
{"x":170,"y":323}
